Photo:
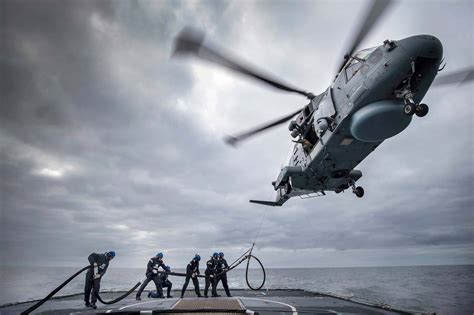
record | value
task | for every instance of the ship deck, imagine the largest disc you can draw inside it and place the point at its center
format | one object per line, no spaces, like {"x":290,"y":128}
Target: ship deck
{"x":251,"y":302}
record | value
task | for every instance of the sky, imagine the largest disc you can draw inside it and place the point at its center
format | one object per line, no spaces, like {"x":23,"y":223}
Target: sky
{"x":106,"y":143}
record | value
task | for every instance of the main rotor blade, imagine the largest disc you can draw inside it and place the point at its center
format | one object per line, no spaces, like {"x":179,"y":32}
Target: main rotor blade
{"x":461,"y":76}
{"x":190,"y":42}
{"x":375,"y":11}
{"x":233,"y":140}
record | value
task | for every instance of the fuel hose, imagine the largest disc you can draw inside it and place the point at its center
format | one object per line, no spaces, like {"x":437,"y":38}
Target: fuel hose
{"x":120,"y":297}
{"x":247,"y":256}
{"x":50,"y":295}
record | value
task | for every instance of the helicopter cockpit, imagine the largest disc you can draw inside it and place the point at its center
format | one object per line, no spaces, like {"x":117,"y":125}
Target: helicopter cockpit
{"x":356,"y":63}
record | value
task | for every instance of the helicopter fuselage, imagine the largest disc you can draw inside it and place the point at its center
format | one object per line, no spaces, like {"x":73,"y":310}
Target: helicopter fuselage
{"x":371,"y":99}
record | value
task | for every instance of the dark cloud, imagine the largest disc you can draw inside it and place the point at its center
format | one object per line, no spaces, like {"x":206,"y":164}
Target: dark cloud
{"x":107,"y":143}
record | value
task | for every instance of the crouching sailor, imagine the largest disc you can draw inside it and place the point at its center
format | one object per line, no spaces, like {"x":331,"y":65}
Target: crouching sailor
{"x":192,"y":271}
{"x":165,"y":283}
{"x":152,"y":274}
{"x":99,"y":264}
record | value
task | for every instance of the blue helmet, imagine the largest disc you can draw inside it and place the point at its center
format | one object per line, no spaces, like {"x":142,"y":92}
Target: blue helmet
{"x":110,"y":254}
{"x":159,"y":255}
{"x":167,"y":268}
{"x":197,"y":257}
{"x":221,"y":254}
{"x":215,"y":255}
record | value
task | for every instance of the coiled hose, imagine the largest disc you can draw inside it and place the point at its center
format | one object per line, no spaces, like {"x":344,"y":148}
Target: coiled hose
{"x":247,"y":273}
{"x":247,"y":256}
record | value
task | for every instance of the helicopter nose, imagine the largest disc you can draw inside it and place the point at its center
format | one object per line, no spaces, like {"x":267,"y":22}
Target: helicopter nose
{"x":426,"y":46}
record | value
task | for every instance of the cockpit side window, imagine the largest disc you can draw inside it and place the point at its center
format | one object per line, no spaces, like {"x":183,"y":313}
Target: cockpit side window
{"x":355,"y":63}
{"x":352,"y":69}
{"x":365,"y":53}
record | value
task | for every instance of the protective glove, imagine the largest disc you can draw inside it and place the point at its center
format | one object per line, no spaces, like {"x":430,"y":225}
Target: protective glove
{"x":155,"y":271}
{"x":96,"y":270}
{"x":193,"y":275}
{"x":97,"y":276}
{"x":212,"y":276}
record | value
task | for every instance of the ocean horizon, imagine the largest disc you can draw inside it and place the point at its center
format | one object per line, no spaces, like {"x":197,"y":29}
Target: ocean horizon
{"x":444,"y":289}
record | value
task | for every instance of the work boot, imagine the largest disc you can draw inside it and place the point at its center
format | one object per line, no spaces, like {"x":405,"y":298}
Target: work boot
{"x":138,"y":298}
{"x":182,"y":296}
{"x":169,"y":296}
{"x":149,"y":294}
{"x":93,"y":306}
{"x":206,"y":296}
{"x":88,"y":304}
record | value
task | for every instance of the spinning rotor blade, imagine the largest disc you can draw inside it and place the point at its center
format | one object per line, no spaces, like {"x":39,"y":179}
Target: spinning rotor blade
{"x":460,"y":77}
{"x":190,"y":42}
{"x":233,"y":140}
{"x":376,"y":10}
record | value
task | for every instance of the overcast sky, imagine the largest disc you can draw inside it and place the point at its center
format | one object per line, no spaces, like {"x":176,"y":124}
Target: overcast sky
{"x":106,"y":143}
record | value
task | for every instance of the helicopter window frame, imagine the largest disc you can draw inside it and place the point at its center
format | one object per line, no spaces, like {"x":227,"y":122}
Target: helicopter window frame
{"x":364,"y":54}
{"x":356,"y":62}
{"x":352,"y":69}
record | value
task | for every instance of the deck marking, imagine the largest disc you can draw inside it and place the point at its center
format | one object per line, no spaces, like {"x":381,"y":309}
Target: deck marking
{"x":127,"y":306}
{"x":293,"y":309}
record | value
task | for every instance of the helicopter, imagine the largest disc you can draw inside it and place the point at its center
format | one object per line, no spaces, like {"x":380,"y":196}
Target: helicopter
{"x":374,"y":96}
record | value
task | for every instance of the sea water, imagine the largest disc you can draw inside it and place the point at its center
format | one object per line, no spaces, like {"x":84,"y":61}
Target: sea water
{"x":442,"y":289}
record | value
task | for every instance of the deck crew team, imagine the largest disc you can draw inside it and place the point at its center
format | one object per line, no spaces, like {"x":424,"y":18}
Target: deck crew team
{"x":216,"y":271}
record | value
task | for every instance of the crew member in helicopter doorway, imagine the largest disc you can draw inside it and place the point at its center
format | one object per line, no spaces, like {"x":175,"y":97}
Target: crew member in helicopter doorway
{"x":192,"y":272}
{"x":152,"y":274}
{"x":98,"y":266}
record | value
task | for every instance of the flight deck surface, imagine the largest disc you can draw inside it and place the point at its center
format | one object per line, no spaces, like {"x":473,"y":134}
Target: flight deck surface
{"x":252,"y":302}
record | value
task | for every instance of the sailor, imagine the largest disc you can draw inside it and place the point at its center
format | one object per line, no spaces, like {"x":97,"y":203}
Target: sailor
{"x":165,"y":283}
{"x":222,"y":268}
{"x":152,"y":274}
{"x":210,"y":275}
{"x":192,"y":272}
{"x":98,"y":266}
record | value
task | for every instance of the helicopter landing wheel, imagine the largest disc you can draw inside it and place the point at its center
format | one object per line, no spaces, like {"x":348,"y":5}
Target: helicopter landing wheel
{"x":359,"y":191}
{"x":421,"y":110}
{"x":409,"y":109}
